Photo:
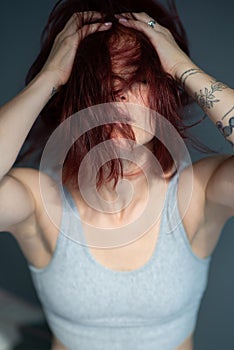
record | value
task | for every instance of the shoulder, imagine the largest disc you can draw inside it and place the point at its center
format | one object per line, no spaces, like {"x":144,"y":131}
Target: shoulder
{"x":192,"y":193}
{"x":33,"y":179}
{"x":38,"y":184}
{"x":210,"y":188}
{"x":29,"y":176}
{"x":215,"y":177}
{"x":36,"y":233}
{"x":40,"y":187}
{"x":204,"y":169}
{"x":201,"y":172}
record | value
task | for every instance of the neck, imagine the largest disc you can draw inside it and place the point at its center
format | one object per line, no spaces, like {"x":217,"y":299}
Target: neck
{"x":131,"y":189}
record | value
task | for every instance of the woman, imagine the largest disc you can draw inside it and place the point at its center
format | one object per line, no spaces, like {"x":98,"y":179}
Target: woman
{"x":126,"y":296}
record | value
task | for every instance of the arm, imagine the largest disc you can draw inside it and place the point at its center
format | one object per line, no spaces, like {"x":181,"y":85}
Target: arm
{"x":216,"y":99}
{"x":220,"y":188}
{"x":17,"y":117}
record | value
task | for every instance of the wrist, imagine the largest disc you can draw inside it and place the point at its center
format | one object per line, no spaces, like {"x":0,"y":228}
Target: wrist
{"x":41,"y":88}
{"x":182,"y":69}
{"x":50,"y":80}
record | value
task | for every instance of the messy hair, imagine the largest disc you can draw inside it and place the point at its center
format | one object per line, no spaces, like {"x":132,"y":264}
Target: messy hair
{"x":93,"y":74}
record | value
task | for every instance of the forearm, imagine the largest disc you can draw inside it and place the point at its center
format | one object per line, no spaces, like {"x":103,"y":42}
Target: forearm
{"x":215,"y":98}
{"x":17,"y":117}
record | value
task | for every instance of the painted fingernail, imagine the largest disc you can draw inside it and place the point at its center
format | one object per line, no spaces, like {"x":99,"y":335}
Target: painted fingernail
{"x":108,"y":24}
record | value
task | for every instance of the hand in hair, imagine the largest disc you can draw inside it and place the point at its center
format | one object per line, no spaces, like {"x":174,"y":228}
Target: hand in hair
{"x":170,"y":54}
{"x":62,"y":55}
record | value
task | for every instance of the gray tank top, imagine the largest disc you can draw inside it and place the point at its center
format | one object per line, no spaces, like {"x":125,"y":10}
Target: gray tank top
{"x":91,"y":307}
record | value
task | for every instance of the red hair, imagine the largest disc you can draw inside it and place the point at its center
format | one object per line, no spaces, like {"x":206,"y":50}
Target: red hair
{"x":93,"y":73}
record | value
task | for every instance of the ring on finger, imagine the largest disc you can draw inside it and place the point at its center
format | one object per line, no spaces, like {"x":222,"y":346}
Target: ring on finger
{"x":151,"y":23}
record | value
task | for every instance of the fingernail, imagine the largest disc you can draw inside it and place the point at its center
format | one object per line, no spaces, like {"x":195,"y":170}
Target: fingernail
{"x":108,"y":24}
{"x":123,"y":19}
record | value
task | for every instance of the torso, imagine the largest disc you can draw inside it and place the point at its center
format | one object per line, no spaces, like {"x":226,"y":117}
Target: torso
{"x":203,"y":229}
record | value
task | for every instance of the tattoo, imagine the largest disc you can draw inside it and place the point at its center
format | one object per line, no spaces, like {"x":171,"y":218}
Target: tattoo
{"x":226,"y":130}
{"x":207,"y":98}
{"x":187,"y":74}
{"x":53,"y":92}
{"x":227,"y":113}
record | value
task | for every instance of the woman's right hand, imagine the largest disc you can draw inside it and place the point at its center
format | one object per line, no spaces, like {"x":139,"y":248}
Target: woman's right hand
{"x":62,"y":55}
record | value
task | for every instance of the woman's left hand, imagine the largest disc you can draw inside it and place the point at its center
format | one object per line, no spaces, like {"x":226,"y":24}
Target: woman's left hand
{"x":172,"y":58}
{"x":215,"y":98}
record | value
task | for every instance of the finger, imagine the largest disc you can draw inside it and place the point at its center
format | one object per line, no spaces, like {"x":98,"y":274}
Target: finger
{"x":90,"y":15}
{"x":74,"y":22}
{"x":142,"y":16}
{"x":134,"y":15}
{"x":138,"y":25}
{"x":127,"y":15}
{"x":72,"y":39}
{"x":73,"y":25}
{"x":89,"y":29}
{"x":139,"y":16}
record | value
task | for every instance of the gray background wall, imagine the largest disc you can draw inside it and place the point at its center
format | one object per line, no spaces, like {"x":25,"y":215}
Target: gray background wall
{"x":209,"y":25}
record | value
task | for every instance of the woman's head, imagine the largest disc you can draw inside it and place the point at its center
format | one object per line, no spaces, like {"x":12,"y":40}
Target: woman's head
{"x":108,"y":67}
{"x":101,"y":56}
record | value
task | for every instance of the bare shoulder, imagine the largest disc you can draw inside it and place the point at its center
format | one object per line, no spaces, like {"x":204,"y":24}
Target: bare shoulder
{"x":205,"y":171}
{"x":202,"y":219}
{"x":192,"y":200}
{"x":204,"y":168}
{"x":37,"y":233}
{"x":201,"y":172}
{"x":31,"y":178}
{"x":42,"y":189}
{"x":194,"y":179}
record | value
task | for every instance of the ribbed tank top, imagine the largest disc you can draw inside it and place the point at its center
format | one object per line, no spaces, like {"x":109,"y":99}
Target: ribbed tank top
{"x":91,"y":307}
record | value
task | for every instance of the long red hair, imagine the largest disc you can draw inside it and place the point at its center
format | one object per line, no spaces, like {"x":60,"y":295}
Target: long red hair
{"x":91,"y":80}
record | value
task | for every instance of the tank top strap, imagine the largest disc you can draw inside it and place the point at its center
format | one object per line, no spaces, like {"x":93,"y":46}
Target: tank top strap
{"x":170,"y":214}
{"x":71,"y":226}
{"x":172,"y":227}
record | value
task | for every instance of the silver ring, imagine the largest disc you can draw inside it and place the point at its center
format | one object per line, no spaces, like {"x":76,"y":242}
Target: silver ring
{"x":152,"y":23}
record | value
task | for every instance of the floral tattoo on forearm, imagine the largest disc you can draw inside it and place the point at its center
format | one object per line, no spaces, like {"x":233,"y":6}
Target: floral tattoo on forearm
{"x":206,"y":99}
